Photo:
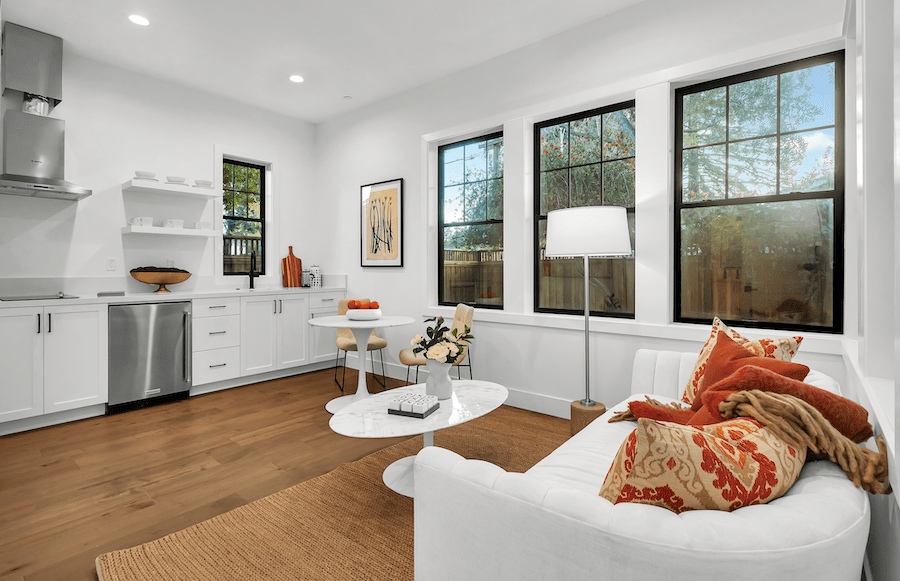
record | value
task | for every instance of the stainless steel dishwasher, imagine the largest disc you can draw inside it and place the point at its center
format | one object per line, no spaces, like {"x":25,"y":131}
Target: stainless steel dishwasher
{"x":149,"y":354}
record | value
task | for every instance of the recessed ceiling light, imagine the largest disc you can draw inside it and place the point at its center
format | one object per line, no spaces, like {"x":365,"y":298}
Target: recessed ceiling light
{"x":296,"y":78}
{"x":347,"y":97}
{"x":139,"y":20}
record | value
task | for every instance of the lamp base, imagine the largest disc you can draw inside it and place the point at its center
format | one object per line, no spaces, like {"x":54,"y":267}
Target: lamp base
{"x":581,"y":415}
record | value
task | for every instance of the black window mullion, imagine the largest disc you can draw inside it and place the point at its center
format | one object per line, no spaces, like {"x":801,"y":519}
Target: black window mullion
{"x":778,"y":133}
{"x":727,"y":141}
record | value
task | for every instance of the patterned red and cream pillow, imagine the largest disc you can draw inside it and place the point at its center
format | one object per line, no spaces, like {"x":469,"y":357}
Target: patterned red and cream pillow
{"x":723,"y":466}
{"x":728,"y":356}
{"x":782,"y":349}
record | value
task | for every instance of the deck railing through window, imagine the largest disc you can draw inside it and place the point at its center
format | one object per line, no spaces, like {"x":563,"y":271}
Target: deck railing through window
{"x":237,"y":253}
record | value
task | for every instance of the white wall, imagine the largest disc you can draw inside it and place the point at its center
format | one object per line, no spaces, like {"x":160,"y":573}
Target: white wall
{"x":635,"y":54}
{"x":118,"y":122}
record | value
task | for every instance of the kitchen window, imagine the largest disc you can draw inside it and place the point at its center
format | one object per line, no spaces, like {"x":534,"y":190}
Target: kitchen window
{"x":470,"y":222}
{"x":759,"y":197}
{"x":243,"y":224}
{"x":585,"y":159}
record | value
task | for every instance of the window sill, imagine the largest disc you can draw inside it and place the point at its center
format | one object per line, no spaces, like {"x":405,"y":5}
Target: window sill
{"x":826,"y":344}
{"x":879,"y":392}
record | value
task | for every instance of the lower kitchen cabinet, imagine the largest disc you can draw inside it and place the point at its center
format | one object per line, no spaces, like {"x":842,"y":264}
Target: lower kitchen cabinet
{"x":216,"y":343}
{"x":22,"y":361}
{"x":322,"y":346}
{"x":273,"y":332}
{"x":53,"y":359}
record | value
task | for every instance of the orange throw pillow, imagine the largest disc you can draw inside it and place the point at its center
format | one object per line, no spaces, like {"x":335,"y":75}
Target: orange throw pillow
{"x":847,"y":416}
{"x":724,"y":466}
{"x":727,"y":357}
{"x":663,"y":413}
{"x":782,"y":349}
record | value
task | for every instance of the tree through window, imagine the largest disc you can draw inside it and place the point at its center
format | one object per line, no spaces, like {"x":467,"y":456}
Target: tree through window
{"x":759,"y":197}
{"x":470,"y":222}
{"x":586,"y":159}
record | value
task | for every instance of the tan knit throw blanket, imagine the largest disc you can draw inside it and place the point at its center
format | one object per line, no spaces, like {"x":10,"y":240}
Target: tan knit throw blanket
{"x":802,"y":425}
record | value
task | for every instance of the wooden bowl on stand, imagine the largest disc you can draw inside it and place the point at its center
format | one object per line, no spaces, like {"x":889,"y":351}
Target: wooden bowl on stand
{"x":161,"y":278}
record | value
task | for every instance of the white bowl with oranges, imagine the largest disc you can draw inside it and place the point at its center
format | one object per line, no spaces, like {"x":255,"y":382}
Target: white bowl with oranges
{"x":363,"y":310}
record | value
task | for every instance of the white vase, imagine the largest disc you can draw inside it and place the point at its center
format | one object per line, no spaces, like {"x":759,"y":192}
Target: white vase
{"x":438,"y":381}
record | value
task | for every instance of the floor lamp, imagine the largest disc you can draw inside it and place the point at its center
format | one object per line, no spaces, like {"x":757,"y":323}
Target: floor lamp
{"x":588,"y":231}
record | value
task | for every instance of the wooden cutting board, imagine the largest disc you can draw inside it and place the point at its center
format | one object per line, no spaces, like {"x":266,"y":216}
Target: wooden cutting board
{"x":291,"y":270}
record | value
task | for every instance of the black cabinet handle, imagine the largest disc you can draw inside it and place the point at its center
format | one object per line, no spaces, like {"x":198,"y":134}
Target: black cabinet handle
{"x":39,"y":323}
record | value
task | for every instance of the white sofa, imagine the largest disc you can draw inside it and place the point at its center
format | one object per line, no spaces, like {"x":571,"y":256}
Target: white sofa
{"x":474,"y":520}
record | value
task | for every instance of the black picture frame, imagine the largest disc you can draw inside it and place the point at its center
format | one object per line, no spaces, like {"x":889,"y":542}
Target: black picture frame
{"x":381,"y":223}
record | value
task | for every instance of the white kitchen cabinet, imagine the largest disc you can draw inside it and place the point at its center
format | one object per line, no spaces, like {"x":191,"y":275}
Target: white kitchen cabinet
{"x":22,"y":362}
{"x":215,"y":339}
{"x":75,"y":356}
{"x":291,"y":333}
{"x":273,"y":332}
{"x":53,"y":359}
{"x":322,"y":339}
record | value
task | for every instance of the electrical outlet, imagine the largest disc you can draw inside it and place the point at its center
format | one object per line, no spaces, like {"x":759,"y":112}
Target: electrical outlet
{"x":170,"y":263}
{"x":111,"y":263}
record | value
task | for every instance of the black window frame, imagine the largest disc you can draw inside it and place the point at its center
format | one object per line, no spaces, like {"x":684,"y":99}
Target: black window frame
{"x":538,"y":218}
{"x":261,"y":261}
{"x":837,"y":194}
{"x":441,"y":224}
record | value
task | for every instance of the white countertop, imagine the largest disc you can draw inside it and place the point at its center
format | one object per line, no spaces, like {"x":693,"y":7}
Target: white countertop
{"x":174,"y":295}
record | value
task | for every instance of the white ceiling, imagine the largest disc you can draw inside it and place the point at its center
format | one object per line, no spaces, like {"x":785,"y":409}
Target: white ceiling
{"x":365,"y":49}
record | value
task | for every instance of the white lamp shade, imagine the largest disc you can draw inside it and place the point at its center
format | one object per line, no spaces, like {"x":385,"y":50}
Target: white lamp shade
{"x":590,"y":230}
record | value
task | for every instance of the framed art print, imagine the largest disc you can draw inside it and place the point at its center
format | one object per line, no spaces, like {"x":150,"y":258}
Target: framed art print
{"x":381,"y":221}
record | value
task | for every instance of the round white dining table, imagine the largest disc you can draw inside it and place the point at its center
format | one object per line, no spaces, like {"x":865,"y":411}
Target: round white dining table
{"x":361,"y":332}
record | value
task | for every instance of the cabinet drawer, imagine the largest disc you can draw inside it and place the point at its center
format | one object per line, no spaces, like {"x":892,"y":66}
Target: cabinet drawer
{"x":216,"y":332}
{"x":216,"y":307}
{"x":216,"y":365}
{"x":324,"y":300}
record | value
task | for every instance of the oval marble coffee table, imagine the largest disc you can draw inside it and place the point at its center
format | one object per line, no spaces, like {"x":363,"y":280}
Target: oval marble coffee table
{"x":369,"y":418}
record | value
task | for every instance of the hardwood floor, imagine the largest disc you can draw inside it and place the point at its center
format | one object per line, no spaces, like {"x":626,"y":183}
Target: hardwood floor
{"x":71,"y":492}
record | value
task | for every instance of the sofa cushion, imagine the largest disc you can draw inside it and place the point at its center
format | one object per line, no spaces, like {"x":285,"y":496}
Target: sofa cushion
{"x":782,"y":349}
{"x":723,"y":466}
{"x":727,"y":356}
{"x":847,"y":417}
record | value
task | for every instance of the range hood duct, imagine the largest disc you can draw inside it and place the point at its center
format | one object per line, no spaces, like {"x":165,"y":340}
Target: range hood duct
{"x":34,"y":145}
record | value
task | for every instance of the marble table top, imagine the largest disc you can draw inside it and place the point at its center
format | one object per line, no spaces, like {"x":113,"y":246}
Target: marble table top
{"x":369,"y":418}
{"x":341,"y":321}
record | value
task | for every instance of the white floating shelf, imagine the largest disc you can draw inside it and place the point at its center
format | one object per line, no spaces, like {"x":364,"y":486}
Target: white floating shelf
{"x":136,"y":186}
{"x":168,"y":231}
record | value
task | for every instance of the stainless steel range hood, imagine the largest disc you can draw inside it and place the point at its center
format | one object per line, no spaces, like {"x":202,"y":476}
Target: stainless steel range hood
{"x":33,"y":144}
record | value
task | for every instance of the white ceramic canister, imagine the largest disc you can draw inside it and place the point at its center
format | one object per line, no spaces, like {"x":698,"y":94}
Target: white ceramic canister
{"x":315,"y":277}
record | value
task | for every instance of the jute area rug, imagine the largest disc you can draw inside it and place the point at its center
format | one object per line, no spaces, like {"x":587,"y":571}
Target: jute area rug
{"x":339,"y":526}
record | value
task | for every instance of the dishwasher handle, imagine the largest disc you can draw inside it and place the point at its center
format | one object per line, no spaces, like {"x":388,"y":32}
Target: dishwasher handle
{"x":188,"y":349}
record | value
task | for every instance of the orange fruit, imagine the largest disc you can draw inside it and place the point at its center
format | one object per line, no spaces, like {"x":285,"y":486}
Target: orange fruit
{"x":353,"y":304}
{"x":374,"y":305}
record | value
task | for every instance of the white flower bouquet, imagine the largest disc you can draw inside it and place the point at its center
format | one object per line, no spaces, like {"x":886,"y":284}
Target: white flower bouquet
{"x":440,"y":343}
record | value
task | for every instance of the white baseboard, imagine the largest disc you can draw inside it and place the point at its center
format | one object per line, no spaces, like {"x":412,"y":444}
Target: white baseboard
{"x":51,"y":419}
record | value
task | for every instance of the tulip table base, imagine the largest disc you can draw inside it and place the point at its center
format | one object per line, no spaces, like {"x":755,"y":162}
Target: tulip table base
{"x":369,"y":418}
{"x":361,"y":332}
